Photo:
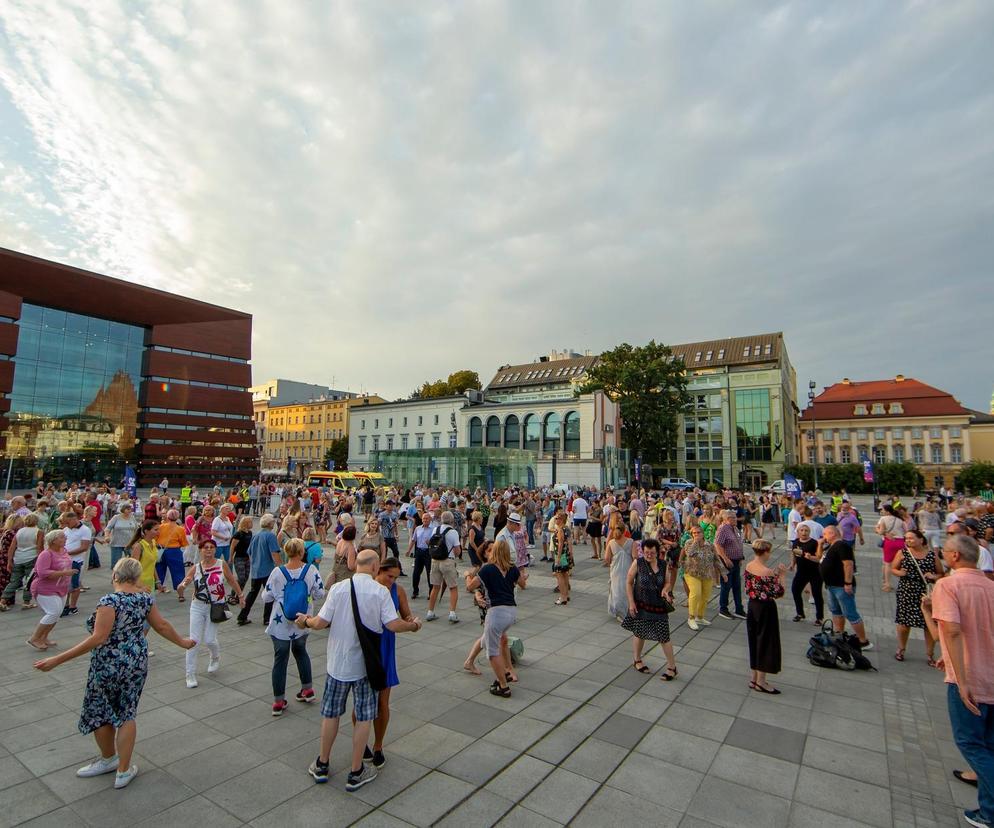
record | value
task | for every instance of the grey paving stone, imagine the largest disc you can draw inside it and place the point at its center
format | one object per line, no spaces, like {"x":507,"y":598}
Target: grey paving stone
{"x":259,"y":790}
{"x":559,"y":744}
{"x":214,"y":766}
{"x":624,"y":731}
{"x":482,"y":809}
{"x":862,"y":801}
{"x":551,"y":709}
{"x":428,"y":706}
{"x":396,"y":776}
{"x":472,"y":718}
{"x":479,"y":762}
{"x":767,"y":710}
{"x":518,"y":778}
{"x":560,"y":795}
{"x":25,"y":801}
{"x":696,"y":721}
{"x":431,"y":745}
{"x":577,"y":689}
{"x":520,"y":817}
{"x":612,"y":807}
{"x":195,"y":811}
{"x":59,"y":753}
{"x":724,"y":803}
{"x":240,"y":719}
{"x":708,"y":698}
{"x":429,"y":800}
{"x":755,"y":770}
{"x":767,"y":739}
{"x":804,"y":816}
{"x":847,"y":731}
{"x":679,"y":748}
{"x":867,"y":711}
{"x":846,"y":760}
{"x":519,"y":731}
{"x":27,"y":736}
{"x":36,"y":709}
{"x":179,"y":743}
{"x":128,"y":806}
{"x":379,"y":819}
{"x":595,"y":759}
{"x":12,"y":772}
{"x":68,"y":787}
{"x":656,"y":781}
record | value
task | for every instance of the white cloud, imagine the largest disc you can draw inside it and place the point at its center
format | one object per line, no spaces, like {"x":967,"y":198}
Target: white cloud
{"x":534,"y":175}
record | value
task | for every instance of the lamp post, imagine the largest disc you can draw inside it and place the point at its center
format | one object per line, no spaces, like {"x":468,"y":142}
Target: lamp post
{"x":814,"y":428}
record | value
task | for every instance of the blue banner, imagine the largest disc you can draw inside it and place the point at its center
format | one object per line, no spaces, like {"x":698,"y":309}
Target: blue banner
{"x":490,"y":478}
{"x":331,"y":465}
{"x":638,"y":470}
{"x":130,"y":482}
{"x":290,"y":465}
{"x":531,"y":477}
{"x":867,"y":468}
{"x":791,"y":486}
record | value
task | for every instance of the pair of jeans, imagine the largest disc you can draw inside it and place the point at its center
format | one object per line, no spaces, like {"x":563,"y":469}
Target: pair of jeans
{"x":807,"y":573}
{"x":172,"y":559}
{"x":223,"y":552}
{"x":94,"y":561}
{"x":974,"y":736}
{"x":422,"y":563}
{"x":733,"y":584}
{"x":19,"y":572}
{"x":530,"y":529}
{"x":281,"y":657}
{"x":267,"y":610}
{"x":116,"y":553}
{"x":841,"y":603}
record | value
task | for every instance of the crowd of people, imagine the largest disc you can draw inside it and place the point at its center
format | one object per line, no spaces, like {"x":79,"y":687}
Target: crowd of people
{"x":663,"y":550}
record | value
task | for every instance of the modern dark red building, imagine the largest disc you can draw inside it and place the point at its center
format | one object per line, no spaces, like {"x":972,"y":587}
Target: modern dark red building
{"x":97,"y":373}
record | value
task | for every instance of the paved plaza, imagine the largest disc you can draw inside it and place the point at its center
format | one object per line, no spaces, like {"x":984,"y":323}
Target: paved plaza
{"x":585,"y":740}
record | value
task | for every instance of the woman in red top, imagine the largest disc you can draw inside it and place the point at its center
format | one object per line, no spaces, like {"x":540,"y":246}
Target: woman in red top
{"x":763,"y":586}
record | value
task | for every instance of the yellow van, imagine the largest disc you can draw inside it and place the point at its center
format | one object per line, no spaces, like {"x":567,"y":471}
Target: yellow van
{"x":375,"y":479}
{"x":337,"y":481}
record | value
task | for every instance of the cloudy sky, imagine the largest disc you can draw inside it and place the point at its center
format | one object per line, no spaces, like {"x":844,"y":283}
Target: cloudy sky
{"x":400,"y":190}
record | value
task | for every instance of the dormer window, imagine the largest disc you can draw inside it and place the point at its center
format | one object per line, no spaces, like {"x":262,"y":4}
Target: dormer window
{"x":721,"y":353}
{"x":878,"y":408}
{"x":707,"y":356}
{"x":697,"y":357}
{"x":768,"y":349}
{"x":896,"y":408}
{"x":859,"y":410}
{"x":745,"y":352}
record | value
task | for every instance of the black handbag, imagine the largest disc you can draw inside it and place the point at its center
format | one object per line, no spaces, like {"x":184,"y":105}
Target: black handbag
{"x":369,"y":642}
{"x":219,"y":613}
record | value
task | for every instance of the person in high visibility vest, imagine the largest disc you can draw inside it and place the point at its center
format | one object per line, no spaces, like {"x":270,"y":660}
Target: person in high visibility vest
{"x":186,"y":496}
{"x":836,"y":502}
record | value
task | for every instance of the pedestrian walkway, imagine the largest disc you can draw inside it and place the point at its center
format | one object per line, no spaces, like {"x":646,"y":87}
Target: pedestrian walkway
{"x":585,"y":740}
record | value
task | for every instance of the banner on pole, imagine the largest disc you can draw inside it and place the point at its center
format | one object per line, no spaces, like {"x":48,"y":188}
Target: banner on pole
{"x":791,"y":486}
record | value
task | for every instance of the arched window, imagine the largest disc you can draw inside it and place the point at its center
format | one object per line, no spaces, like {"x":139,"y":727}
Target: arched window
{"x":512,"y":432}
{"x":550,"y":432}
{"x":571,"y":433}
{"x":475,"y":432}
{"x":493,"y":432}
{"x":533,"y":431}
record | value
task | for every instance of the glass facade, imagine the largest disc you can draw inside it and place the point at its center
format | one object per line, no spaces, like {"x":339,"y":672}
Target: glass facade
{"x":457,"y":467}
{"x":74,"y":401}
{"x":752,"y":424}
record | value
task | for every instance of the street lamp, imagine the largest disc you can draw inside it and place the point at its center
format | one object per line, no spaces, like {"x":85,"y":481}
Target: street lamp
{"x":814,"y":428}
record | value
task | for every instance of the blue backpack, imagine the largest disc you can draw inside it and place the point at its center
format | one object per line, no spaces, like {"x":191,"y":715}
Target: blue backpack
{"x":296,"y":593}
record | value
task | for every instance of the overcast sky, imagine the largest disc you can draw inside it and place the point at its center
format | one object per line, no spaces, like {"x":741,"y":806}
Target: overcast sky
{"x":400,"y":190}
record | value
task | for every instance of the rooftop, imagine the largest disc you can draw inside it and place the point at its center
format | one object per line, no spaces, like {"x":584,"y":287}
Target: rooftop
{"x":542,"y":372}
{"x":913,"y":398}
{"x":740,"y":350}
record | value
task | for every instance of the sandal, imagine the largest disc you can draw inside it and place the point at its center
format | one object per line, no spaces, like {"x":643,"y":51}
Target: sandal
{"x":959,"y":775}
{"x":36,"y":646}
{"x":899,"y":655}
{"x":560,"y":602}
{"x":497,"y":690}
{"x":669,"y":674}
{"x":771,"y":691}
{"x":509,"y":676}
{"x":932,"y":662}
{"x":642,"y":669}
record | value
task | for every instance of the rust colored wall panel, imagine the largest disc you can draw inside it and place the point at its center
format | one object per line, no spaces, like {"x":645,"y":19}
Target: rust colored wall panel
{"x":7,"y":375}
{"x":152,"y":451}
{"x":10,"y":303}
{"x":191,"y":398}
{"x":232,"y":337}
{"x":8,"y":338}
{"x":181,"y":366}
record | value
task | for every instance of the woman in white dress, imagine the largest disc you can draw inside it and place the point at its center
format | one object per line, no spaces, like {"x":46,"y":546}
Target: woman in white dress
{"x":618,"y":556}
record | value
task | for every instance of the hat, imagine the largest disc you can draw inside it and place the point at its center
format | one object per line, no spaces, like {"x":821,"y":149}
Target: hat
{"x":514,"y":517}
{"x":972,"y":523}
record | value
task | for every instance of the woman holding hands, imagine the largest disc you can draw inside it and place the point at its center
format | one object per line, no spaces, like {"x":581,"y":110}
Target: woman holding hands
{"x":649,"y":585}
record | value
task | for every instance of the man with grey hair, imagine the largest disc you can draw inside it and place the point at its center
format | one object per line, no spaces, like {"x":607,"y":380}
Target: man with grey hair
{"x":963,"y":608}
{"x":443,"y":547}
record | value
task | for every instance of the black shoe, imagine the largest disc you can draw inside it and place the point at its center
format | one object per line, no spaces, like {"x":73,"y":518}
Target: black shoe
{"x":65,"y":612}
{"x":415,"y":595}
{"x":319,"y":770}
{"x":379,"y":760}
{"x":243,"y":621}
{"x":798,"y":618}
{"x":403,"y":574}
{"x":740,"y":615}
{"x":71,"y":610}
{"x":726,"y":614}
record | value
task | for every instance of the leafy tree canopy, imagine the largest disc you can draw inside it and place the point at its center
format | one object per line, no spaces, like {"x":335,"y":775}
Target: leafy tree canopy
{"x":339,"y":452}
{"x":455,"y":384}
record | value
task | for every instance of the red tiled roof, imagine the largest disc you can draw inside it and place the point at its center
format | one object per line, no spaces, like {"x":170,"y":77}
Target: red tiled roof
{"x":838,"y":401}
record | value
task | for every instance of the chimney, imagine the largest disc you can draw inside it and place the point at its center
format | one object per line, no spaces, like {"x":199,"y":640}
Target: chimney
{"x":845,"y":381}
{"x":899,"y":378}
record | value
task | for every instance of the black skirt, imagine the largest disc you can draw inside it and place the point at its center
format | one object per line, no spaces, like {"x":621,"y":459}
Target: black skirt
{"x":763,"y":631}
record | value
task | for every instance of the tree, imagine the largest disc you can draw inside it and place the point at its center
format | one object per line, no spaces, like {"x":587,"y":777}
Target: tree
{"x":650,"y":387}
{"x":339,"y":452}
{"x":976,"y":476}
{"x":898,"y":478}
{"x":455,"y":384}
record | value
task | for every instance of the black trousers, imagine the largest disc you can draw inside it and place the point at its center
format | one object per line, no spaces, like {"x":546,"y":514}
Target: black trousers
{"x":422,"y":563}
{"x":804,"y":575}
{"x":267,"y":611}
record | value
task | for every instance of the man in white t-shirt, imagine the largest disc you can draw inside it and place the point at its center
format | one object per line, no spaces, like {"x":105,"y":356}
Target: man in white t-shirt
{"x":579,"y":508}
{"x":78,"y":540}
{"x":793,"y":519}
{"x":817,"y":530}
{"x":347,"y":665}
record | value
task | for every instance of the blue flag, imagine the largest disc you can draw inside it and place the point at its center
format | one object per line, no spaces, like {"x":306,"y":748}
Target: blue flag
{"x":791,"y":486}
{"x":867,"y":468}
{"x":130,"y":482}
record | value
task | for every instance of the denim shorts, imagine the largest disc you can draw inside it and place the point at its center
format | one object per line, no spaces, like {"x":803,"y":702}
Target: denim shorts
{"x":336,"y":693}
{"x":841,"y":602}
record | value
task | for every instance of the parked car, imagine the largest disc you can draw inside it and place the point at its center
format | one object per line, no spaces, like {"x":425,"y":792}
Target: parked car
{"x":675,"y":483}
{"x":777,"y":487}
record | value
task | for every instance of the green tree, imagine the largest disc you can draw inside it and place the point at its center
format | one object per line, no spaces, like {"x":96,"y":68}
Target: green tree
{"x":455,"y":384}
{"x":833,"y":478}
{"x":897,"y":478}
{"x":650,"y":387}
{"x":976,"y":477}
{"x":339,"y":452}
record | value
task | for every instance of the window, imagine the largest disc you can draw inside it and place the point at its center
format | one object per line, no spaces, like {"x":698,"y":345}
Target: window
{"x":937,"y":454}
{"x":935,"y":432}
{"x":879,"y":434}
{"x":916,"y":434}
{"x":419,"y":441}
{"x":896,"y":408}
{"x":405,"y":422}
{"x":829,"y":456}
{"x":955,"y":431}
{"x":844,"y":455}
{"x":752,"y":424}
{"x":811,"y":456}
{"x":859,"y":410}
{"x":898,"y":454}
{"x":917,"y":455}
{"x":475,"y":432}
{"x":376,"y":423}
{"x":512,"y":432}
{"x":707,"y":356}
{"x":420,"y":418}
{"x":390,"y":442}
{"x":435,"y":441}
{"x":571,"y":433}
{"x":843,"y":433}
{"x":493,"y":432}
{"x":861,"y":434}
{"x":955,"y":454}
{"x":745,"y":351}
{"x":768,"y":349}
{"x":878,"y":408}
{"x":898,"y":433}
{"x":376,"y":444}
{"x":828,"y":433}
{"x":533,"y":431}
{"x":721,"y":353}
{"x":879,"y":454}
{"x":551,"y":432}
{"x":436,"y":419}
{"x":390,"y":423}
{"x":452,"y":439}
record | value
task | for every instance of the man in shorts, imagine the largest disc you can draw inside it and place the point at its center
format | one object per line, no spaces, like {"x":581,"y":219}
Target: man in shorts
{"x":78,"y":540}
{"x":444,"y":571}
{"x":579,"y":508}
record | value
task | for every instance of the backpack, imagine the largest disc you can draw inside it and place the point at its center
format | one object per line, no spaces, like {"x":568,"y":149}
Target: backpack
{"x":438,"y":549}
{"x":837,"y":650}
{"x":296,"y":593}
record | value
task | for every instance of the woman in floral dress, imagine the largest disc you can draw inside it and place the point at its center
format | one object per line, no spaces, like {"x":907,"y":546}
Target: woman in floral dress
{"x":763,"y":585}
{"x":118,"y":669}
{"x":562,"y":556}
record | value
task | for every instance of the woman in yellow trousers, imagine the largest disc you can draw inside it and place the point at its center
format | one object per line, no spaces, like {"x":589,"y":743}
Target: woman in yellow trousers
{"x":701,"y":571}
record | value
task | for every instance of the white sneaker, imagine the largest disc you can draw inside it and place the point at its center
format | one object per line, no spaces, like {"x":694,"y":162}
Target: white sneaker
{"x":98,"y":767}
{"x":151,"y":653}
{"x":430,"y":616}
{"x":453,"y":618}
{"x":214,"y":665}
{"x":692,"y":623}
{"x":191,"y":681}
{"x":124,"y":778}
{"x":704,"y":621}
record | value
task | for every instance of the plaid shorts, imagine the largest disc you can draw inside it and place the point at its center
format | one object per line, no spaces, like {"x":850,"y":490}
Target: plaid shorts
{"x":337,"y":692}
